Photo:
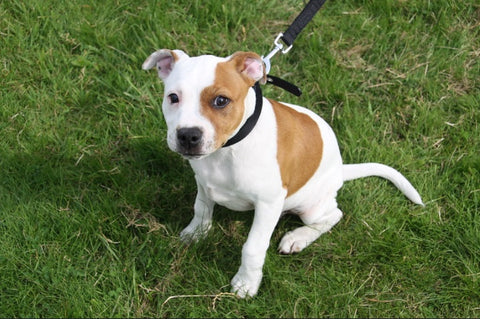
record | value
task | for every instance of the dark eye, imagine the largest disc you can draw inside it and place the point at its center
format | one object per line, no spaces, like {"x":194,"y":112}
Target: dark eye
{"x":220,"y":102}
{"x":173,"y":98}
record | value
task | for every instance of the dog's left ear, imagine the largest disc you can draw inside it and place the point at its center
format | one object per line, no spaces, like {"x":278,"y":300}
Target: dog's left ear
{"x":251,"y":66}
{"x":164,"y":60}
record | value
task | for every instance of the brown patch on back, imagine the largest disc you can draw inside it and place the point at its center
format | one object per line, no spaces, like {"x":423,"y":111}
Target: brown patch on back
{"x":299,"y":146}
{"x":232,"y":83}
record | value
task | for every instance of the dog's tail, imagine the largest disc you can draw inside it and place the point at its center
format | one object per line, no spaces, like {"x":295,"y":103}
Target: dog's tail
{"x":354,"y":171}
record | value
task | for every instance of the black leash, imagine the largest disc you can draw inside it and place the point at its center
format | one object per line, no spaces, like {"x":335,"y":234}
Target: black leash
{"x":288,"y":37}
{"x":301,"y":21}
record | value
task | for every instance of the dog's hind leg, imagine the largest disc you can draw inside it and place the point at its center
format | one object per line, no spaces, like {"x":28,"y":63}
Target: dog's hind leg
{"x":318,"y":220}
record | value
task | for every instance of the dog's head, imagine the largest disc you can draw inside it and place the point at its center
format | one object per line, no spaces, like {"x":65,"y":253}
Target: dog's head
{"x":206,"y":98}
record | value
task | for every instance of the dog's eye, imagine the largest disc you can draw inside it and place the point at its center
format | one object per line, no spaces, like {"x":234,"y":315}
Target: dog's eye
{"x":220,"y":102}
{"x":173,"y":98}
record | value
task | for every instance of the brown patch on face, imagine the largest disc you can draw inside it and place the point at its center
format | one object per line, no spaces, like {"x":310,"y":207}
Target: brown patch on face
{"x":299,"y":146}
{"x":231,"y":83}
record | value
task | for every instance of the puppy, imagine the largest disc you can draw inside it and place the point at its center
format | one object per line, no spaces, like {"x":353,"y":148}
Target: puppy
{"x":249,"y":152}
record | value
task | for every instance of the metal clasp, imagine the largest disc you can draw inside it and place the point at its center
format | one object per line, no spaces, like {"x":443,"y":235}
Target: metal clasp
{"x":278,"y":47}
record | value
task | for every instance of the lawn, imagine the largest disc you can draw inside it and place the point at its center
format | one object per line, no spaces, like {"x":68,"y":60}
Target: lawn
{"x":92,"y":201}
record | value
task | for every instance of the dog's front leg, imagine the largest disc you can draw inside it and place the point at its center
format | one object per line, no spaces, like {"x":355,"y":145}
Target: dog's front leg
{"x":249,"y":275}
{"x":202,"y":218}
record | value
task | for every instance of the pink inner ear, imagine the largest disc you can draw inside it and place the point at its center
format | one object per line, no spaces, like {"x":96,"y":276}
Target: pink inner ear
{"x":253,"y":68}
{"x":164,"y":66}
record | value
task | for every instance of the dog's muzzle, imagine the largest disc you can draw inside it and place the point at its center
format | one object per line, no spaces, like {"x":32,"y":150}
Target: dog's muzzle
{"x":190,"y":141}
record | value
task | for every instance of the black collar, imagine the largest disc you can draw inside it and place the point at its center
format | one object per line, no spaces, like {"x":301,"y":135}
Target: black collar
{"x":251,"y":121}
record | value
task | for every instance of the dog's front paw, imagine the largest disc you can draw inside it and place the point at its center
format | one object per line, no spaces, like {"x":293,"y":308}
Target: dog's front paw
{"x":246,"y":284}
{"x":192,"y":233}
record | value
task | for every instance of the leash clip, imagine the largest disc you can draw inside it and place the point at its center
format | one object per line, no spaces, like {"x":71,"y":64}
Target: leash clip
{"x":278,"y":47}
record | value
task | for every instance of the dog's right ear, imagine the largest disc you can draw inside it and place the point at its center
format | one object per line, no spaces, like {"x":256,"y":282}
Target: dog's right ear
{"x":164,"y":60}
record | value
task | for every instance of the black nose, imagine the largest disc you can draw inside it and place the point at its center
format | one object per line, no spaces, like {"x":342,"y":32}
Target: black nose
{"x":189,"y":137}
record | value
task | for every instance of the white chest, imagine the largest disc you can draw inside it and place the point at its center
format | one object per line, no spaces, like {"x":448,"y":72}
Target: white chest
{"x":238,"y":178}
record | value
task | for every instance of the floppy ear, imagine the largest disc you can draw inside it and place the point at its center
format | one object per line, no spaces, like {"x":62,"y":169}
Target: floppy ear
{"x":164,"y":60}
{"x":251,"y":66}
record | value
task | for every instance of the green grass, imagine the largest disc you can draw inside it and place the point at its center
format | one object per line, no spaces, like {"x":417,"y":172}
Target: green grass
{"x":92,"y":201}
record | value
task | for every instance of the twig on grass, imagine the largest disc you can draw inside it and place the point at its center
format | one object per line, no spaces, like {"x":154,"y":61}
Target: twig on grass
{"x":385,"y":301}
{"x":215,"y":297}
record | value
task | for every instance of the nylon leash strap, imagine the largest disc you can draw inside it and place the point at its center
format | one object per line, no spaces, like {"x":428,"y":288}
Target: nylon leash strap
{"x":293,"y":30}
{"x":301,"y":21}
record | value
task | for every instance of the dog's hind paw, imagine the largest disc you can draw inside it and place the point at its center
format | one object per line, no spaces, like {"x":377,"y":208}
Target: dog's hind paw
{"x":292,"y":243}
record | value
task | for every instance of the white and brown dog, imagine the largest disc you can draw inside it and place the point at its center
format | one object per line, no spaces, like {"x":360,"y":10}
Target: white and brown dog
{"x":279,"y":157}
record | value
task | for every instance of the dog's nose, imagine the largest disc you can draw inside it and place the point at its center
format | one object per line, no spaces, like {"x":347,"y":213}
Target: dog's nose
{"x":189,"y":137}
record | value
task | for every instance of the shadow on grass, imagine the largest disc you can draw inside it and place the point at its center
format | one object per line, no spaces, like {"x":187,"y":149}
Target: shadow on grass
{"x":134,"y":172}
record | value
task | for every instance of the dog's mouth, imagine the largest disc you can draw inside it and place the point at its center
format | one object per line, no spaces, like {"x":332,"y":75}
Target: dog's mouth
{"x":192,"y":156}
